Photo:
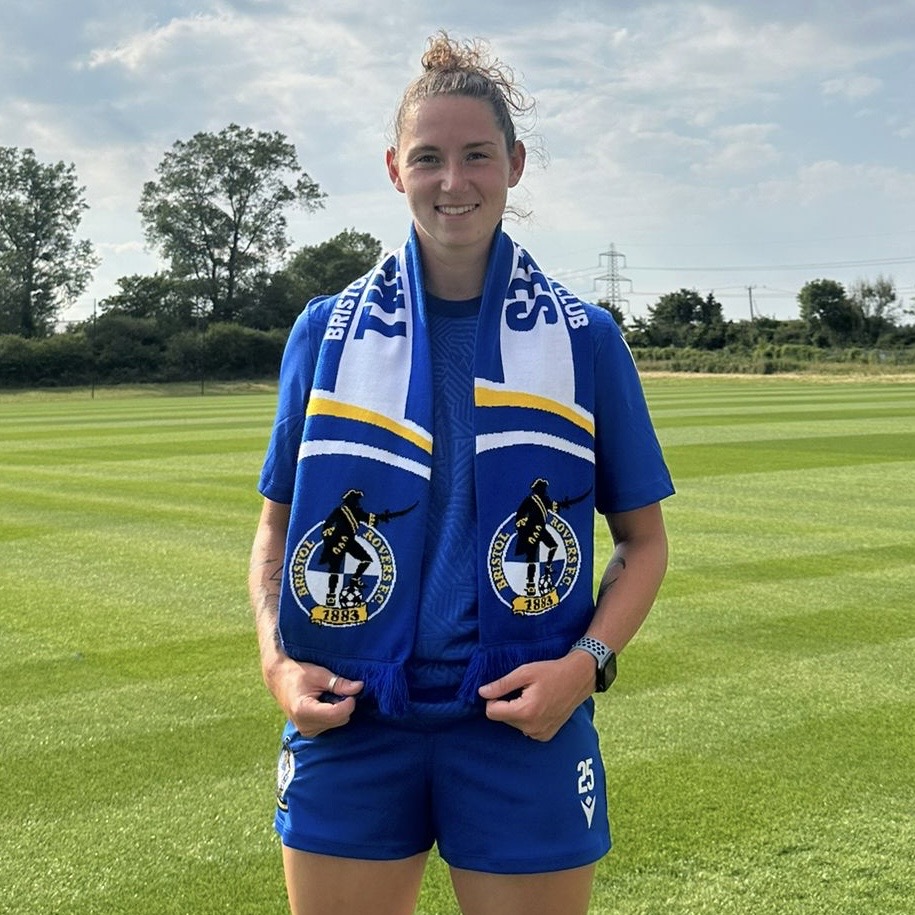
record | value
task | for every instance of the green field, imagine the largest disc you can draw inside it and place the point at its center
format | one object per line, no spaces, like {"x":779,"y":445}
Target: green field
{"x":760,"y":741}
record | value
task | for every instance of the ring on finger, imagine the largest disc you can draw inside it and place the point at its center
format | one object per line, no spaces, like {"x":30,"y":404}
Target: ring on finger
{"x":333,"y":683}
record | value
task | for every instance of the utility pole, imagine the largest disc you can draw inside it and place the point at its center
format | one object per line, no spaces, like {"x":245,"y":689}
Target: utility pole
{"x":613,"y":279}
{"x":750,"y":294}
{"x":93,"y":348}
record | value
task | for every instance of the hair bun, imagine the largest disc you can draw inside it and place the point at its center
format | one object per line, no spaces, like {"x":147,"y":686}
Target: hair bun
{"x":445,"y":53}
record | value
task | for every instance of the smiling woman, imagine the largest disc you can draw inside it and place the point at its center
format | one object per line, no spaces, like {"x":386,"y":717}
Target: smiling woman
{"x":422,"y":572}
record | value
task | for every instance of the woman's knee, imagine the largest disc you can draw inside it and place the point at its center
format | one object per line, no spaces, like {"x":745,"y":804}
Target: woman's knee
{"x":565,"y":892}
{"x":317,"y":884}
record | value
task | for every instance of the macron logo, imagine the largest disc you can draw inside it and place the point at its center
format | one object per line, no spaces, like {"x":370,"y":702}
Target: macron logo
{"x":587,"y":805}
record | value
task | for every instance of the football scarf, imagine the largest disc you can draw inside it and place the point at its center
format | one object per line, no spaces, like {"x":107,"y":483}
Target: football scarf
{"x":354,"y":553}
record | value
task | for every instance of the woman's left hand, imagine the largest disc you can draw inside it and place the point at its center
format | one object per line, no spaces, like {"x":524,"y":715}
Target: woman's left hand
{"x":539,"y":698}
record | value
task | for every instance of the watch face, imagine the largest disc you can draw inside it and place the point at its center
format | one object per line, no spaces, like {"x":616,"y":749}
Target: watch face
{"x":606,"y":672}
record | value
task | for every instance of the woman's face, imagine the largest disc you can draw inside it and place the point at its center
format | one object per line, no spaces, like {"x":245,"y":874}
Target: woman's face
{"x":453,"y":165}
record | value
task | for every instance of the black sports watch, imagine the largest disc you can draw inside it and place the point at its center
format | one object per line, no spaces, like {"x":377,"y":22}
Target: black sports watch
{"x":605,"y":657}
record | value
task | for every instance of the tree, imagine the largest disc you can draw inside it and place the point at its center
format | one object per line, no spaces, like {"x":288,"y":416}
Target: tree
{"x":711,"y":333}
{"x":216,"y":211}
{"x":614,"y":310}
{"x":159,"y":296}
{"x":42,"y":265}
{"x":313,"y":270}
{"x":330,"y":266}
{"x":877,"y":305}
{"x":684,"y":318}
{"x":830,"y":315}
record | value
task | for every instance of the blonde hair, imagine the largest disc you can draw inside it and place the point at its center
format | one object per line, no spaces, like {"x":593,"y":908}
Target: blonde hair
{"x":466,"y":68}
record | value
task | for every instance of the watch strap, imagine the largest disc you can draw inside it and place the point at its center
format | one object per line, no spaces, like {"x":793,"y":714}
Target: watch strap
{"x":605,"y":657}
{"x":595,"y":647}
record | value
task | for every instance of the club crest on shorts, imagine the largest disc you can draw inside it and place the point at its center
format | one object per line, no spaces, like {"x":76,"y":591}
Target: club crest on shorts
{"x":343,"y":571}
{"x":285,"y":773}
{"x":534,"y":556}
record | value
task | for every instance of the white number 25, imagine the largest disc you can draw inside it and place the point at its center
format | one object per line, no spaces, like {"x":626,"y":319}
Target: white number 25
{"x":586,"y":776}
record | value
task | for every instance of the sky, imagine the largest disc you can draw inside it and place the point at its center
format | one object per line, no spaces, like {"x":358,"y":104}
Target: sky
{"x":739,"y":148}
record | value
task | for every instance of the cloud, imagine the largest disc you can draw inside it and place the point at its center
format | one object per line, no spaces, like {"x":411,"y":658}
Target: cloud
{"x":157,"y":47}
{"x":127,"y":247}
{"x":827,"y":180}
{"x":738,"y":148}
{"x":312,"y":76}
{"x":852,"y":88}
{"x":901,"y":129}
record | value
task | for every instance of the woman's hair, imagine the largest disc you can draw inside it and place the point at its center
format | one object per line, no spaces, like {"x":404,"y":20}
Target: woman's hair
{"x":466,"y":68}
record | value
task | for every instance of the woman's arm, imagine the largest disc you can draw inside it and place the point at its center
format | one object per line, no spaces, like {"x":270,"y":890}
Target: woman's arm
{"x":633,"y":576}
{"x":297,"y":687}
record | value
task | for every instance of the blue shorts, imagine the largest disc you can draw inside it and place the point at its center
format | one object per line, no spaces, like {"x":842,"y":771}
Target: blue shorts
{"x":492,"y":799}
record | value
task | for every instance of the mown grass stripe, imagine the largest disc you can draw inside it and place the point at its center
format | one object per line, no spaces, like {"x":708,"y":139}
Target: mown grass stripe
{"x":798,"y":452}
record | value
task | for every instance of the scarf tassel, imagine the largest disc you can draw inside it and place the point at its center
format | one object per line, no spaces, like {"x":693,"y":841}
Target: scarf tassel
{"x":491,"y":662}
{"x":386,"y":684}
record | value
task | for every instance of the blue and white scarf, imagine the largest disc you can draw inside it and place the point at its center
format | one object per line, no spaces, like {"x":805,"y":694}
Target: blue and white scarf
{"x":358,"y":520}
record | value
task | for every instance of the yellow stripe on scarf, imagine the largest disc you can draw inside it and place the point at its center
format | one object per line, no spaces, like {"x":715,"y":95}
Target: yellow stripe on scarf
{"x":322,"y":405}
{"x":488,"y":397}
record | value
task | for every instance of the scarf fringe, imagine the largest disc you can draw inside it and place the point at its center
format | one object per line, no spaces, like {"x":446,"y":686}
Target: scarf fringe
{"x":386,"y":684}
{"x":488,"y":663}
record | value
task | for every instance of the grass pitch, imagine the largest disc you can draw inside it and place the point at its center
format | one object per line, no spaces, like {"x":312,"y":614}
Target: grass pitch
{"x":759,"y":741}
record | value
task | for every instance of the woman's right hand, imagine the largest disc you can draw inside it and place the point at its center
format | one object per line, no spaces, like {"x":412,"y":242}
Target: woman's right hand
{"x":312,"y":697}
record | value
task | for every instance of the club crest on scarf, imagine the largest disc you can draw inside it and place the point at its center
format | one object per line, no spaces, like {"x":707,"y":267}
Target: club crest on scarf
{"x":343,"y":570}
{"x":534,"y":556}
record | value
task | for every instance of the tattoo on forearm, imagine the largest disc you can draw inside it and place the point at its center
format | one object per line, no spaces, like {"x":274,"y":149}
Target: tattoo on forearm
{"x":266,"y":596}
{"x":617,"y":565}
{"x":265,"y":575}
{"x":266,"y":611}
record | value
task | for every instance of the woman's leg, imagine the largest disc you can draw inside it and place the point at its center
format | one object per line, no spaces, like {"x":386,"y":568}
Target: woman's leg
{"x":565,"y":892}
{"x":321,"y":884}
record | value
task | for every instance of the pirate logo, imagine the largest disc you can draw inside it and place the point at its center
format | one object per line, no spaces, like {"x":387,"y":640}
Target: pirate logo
{"x":343,"y":570}
{"x":534,"y":556}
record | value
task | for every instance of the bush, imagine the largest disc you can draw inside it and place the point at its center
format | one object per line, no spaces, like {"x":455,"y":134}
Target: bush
{"x":767,"y":358}
{"x":233,"y":351}
{"x":183,"y":359}
{"x":121,"y":348}
{"x":224,"y":351}
{"x":64,"y":359}
{"x":128,"y":348}
{"x":17,"y":361}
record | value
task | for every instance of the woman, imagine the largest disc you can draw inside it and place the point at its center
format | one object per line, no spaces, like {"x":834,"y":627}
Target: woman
{"x":421,"y":574}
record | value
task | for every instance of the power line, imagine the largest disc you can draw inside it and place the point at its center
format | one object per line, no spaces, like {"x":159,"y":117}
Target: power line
{"x":882,"y":262}
{"x":758,"y":243}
